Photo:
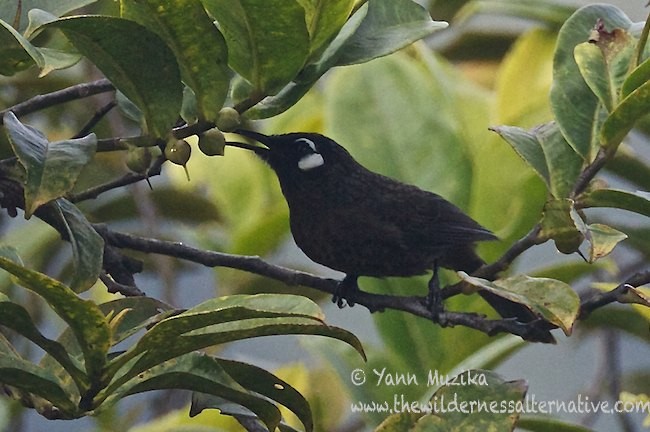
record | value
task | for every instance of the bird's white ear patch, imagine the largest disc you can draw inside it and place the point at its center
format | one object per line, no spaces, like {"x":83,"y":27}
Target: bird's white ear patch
{"x":309,"y":142}
{"x":311,"y":161}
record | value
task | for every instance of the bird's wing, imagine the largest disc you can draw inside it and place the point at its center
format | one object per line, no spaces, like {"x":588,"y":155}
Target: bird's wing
{"x":429,"y":220}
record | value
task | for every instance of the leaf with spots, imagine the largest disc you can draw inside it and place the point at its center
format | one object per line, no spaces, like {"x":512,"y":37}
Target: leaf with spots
{"x":268,"y":41}
{"x":552,"y":300}
{"x":17,"y":318}
{"x":226,"y":319}
{"x":199,"y":47}
{"x":28,"y":377}
{"x":83,"y":316}
{"x":200,"y":373}
{"x":136,"y":60}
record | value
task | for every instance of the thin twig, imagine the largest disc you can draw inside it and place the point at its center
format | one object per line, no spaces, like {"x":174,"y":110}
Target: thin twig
{"x":116,"y":287}
{"x":96,"y":118}
{"x":531,"y":239}
{"x":47,"y":100}
{"x":601,"y":299}
{"x":589,"y":172}
{"x":125,"y":180}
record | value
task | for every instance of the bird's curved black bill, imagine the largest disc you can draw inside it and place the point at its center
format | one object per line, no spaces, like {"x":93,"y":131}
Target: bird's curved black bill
{"x":261,"y":138}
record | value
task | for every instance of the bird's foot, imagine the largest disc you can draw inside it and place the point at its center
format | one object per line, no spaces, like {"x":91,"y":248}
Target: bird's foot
{"x":342,"y":294}
{"x":434,"y":297}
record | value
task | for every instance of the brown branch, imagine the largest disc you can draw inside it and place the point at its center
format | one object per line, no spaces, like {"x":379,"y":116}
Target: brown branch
{"x":373,"y":302}
{"x":602,"y":299}
{"x":121,"y":269}
{"x":47,"y":100}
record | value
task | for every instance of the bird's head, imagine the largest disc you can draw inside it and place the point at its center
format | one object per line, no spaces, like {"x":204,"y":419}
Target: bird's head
{"x":300,"y":155}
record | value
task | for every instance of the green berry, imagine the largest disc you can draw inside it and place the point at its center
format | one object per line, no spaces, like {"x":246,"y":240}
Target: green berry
{"x":212,"y":142}
{"x":138,"y":159}
{"x":228,"y":119}
{"x":178,"y":152}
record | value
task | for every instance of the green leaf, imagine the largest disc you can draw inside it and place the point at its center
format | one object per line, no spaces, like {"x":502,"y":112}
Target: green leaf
{"x":59,"y":7}
{"x":200,"y":373}
{"x":84,"y":318}
{"x":639,"y":76}
{"x":225,"y":319}
{"x":637,"y":296}
{"x":117,"y":47}
{"x":14,"y":42}
{"x":572,"y":271}
{"x":268,"y":41}
{"x":127,"y":316}
{"x":552,"y":15}
{"x":262,"y":382}
{"x":19,"y":53}
{"x":407,"y":139}
{"x":553,"y":300}
{"x":491,"y":355}
{"x":614,"y":198}
{"x":15,"y":317}
{"x":189,"y":109}
{"x":87,"y":245}
{"x":37,"y":18}
{"x":547,"y":152}
{"x":626,"y":319}
{"x":564,"y":164}
{"x":604,"y":63}
{"x":602,"y":239}
{"x":526,"y":70}
{"x":592,"y":66}
{"x":488,"y":386}
{"x":170,"y":202}
{"x":619,"y":123}
{"x":325,"y":19}
{"x":549,"y":424}
{"x":466,"y":389}
{"x":57,"y":59}
{"x":52,"y":168}
{"x":562,"y":223}
{"x":527,"y":145}
{"x":295,"y":90}
{"x":389,"y":26}
{"x":576,"y":108}
{"x":630,"y":166}
{"x":13,"y":58}
{"x":199,"y":47}
{"x":26,"y":376}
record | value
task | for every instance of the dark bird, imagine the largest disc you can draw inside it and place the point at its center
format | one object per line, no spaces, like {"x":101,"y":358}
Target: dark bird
{"x":361,"y":223}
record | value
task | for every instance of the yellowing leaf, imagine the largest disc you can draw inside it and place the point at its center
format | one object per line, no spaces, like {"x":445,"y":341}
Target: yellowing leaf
{"x":553,"y":300}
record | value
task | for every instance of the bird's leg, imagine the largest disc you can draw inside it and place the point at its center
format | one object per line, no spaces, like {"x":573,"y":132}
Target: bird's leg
{"x":344,"y":288}
{"x":434,"y":298}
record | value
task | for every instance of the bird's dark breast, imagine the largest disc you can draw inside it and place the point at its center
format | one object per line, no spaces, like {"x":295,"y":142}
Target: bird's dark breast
{"x":359,"y":229}
{"x":356,"y":246}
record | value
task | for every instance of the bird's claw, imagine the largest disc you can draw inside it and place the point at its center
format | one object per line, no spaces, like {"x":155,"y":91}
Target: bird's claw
{"x":343,"y":292}
{"x":341,"y":301}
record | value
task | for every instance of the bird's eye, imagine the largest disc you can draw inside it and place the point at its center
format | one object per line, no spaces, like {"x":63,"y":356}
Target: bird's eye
{"x":310,"y":158}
